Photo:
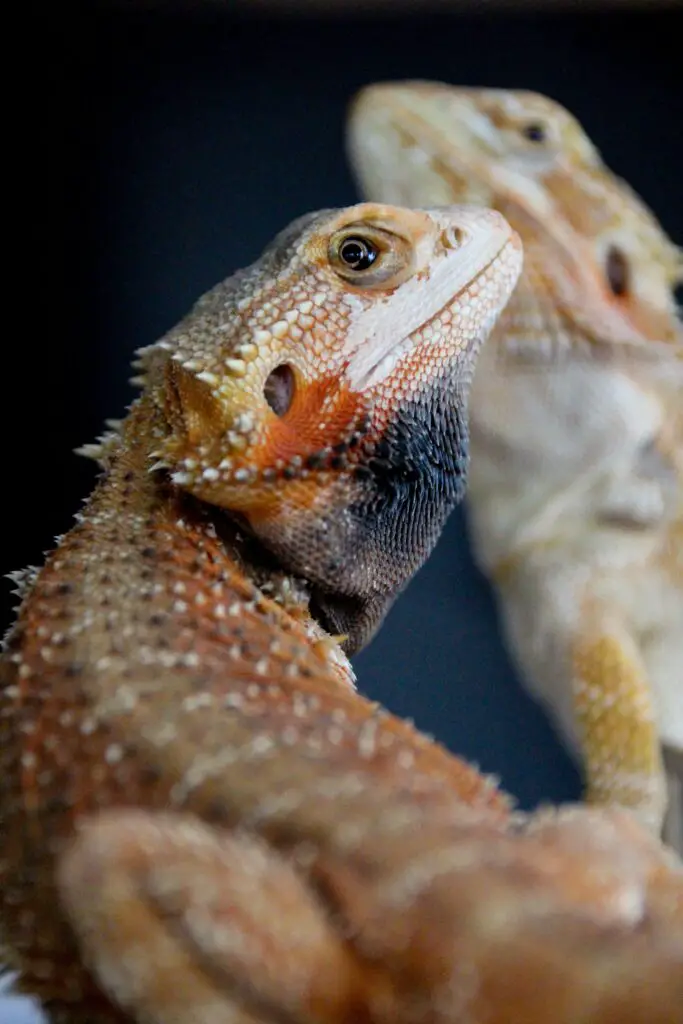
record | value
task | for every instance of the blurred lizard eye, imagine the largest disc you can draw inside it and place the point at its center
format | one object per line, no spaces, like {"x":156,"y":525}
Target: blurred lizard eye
{"x":617,"y":271}
{"x":358,"y":253}
{"x":534,"y":132}
{"x":279,"y":389}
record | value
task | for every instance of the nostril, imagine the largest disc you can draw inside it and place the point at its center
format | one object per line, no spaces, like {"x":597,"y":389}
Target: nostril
{"x":452,"y":238}
{"x":279,"y":389}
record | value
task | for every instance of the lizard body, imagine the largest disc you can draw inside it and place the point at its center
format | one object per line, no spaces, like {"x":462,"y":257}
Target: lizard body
{"x":575,"y":505}
{"x":203,"y":822}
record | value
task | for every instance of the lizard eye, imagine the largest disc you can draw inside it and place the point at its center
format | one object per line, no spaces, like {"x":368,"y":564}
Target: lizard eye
{"x":534,"y":132}
{"x":279,"y":389}
{"x":370,"y":256}
{"x":358,"y":253}
{"x":617,"y":271}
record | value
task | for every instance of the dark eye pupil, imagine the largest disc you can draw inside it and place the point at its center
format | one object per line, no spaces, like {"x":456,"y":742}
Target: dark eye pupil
{"x":357,"y":253}
{"x":616,"y":269}
{"x":279,"y":389}
{"x":534,"y":132}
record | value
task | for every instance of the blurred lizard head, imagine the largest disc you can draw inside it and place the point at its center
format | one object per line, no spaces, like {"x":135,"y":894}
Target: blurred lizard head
{"x":320,"y":394}
{"x":589,"y":240}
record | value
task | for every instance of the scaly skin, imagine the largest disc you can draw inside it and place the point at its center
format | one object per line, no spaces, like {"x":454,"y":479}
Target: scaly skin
{"x":575,"y":502}
{"x":203,"y":822}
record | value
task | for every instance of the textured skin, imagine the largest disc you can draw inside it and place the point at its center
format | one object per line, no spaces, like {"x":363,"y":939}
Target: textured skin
{"x":575,"y":502}
{"x":203,"y":823}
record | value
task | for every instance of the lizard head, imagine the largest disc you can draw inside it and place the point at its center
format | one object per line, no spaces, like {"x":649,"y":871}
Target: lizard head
{"x":320,"y":394}
{"x":613,"y":271}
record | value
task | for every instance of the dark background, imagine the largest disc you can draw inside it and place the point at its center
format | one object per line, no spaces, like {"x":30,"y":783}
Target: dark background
{"x":172,"y":146}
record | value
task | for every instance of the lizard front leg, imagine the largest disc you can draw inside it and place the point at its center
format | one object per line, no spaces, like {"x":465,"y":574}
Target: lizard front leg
{"x":616,"y":721}
{"x":184,"y":923}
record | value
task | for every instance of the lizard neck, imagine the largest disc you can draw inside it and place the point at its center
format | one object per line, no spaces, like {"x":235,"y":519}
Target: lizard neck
{"x":124,"y":579}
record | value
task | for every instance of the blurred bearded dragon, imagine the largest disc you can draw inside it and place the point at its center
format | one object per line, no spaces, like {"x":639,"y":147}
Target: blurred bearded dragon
{"x":576,"y":495}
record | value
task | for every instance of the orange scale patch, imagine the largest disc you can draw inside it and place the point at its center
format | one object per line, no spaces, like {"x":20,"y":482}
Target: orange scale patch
{"x":321,"y":414}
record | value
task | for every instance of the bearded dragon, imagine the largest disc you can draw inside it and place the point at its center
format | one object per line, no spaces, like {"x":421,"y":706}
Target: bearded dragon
{"x":203,"y":821}
{"x":575,"y":504}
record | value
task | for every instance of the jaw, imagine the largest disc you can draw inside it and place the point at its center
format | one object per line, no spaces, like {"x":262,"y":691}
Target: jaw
{"x":372,"y":529}
{"x":403,"y":335}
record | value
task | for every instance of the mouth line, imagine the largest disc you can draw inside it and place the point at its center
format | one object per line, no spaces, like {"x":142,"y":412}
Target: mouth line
{"x":454,"y":298}
{"x":405,"y":346}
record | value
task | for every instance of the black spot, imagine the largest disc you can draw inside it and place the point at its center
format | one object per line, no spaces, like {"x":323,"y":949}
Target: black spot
{"x":534,"y":132}
{"x":148,"y":775}
{"x":57,"y":804}
{"x":217,"y":813}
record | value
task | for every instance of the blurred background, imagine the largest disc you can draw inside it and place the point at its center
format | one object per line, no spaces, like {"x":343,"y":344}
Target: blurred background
{"x":173,"y":140}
